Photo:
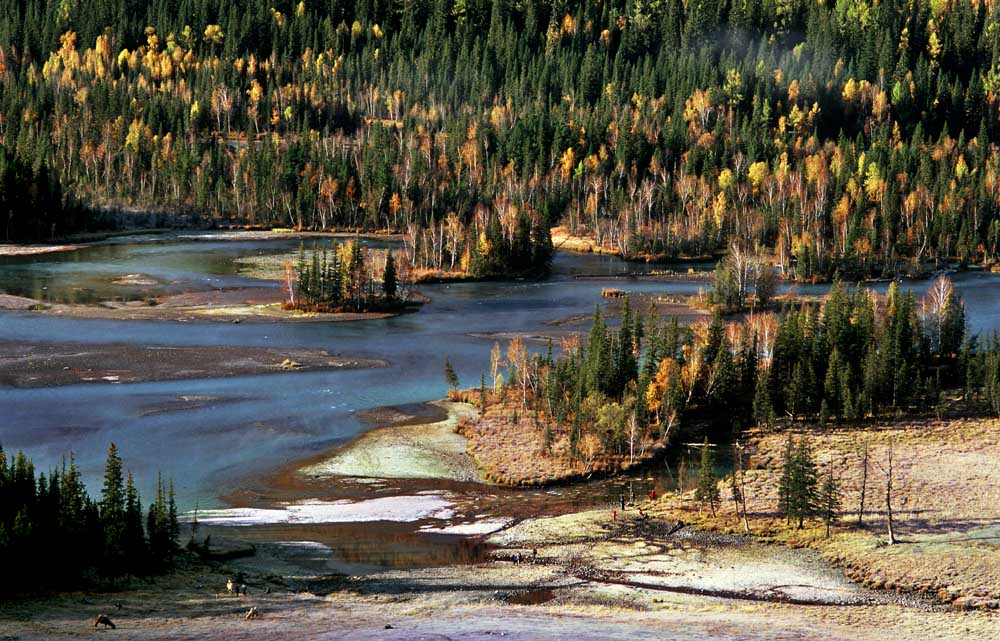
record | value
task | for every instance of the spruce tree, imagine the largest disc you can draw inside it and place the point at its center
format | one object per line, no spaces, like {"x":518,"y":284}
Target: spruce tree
{"x":763,"y":410}
{"x":173,"y":524}
{"x":803,"y":495}
{"x":450,"y":376}
{"x":389,"y":277}
{"x":135,"y":539}
{"x":597,"y":369}
{"x":829,"y":500}
{"x":708,"y":486}
{"x":112,"y":513}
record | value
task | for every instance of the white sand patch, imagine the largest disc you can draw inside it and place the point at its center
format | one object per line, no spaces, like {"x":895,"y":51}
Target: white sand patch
{"x":308,"y":545}
{"x":486,"y":526}
{"x":390,"y":508}
{"x":406,"y":451}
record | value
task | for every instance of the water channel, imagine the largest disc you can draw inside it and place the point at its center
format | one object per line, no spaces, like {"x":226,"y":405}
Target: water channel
{"x":219,"y":453}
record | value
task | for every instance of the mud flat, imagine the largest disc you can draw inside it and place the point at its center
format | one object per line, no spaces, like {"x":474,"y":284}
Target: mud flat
{"x":591,"y":579}
{"x":946,"y":506}
{"x":33,"y":250}
{"x":430,"y":450}
{"x":582,"y":575}
{"x":233,"y":305}
{"x":28,"y":365}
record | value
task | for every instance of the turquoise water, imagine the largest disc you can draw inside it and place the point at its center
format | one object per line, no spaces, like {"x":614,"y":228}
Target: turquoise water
{"x":260,"y":422}
{"x":263,"y":422}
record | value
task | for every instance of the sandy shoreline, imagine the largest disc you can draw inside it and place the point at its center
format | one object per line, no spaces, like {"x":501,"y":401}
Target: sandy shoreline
{"x":31,"y":365}
{"x":582,"y":575}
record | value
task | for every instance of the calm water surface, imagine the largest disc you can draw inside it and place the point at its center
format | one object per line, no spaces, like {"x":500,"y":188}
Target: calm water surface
{"x":261,"y":423}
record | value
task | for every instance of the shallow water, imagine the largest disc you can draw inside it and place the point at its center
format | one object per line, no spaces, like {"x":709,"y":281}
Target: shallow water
{"x":263,"y":423}
{"x":266,"y":421}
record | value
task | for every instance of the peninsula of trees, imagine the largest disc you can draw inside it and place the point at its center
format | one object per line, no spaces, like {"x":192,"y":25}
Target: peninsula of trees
{"x":606,"y":402}
{"x":850,"y":136}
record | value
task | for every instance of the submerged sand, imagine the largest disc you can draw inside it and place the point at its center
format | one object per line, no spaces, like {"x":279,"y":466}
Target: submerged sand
{"x":231,"y":305}
{"x":430,"y":451}
{"x":28,"y":365}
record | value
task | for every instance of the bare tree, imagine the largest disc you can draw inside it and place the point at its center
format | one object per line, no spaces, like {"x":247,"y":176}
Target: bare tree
{"x":740,"y":485}
{"x":887,"y":470}
{"x":864,"y":481}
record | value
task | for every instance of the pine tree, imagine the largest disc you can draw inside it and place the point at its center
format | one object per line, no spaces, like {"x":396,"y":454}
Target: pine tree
{"x":829,"y":500}
{"x":389,"y":277}
{"x":708,"y":486}
{"x":597,"y":370}
{"x":625,"y":367}
{"x":802,"y":499}
{"x":112,"y":513}
{"x":763,"y":410}
{"x":135,"y":539}
{"x":450,"y":376}
{"x":173,"y":525}
{"x":797,"y":392}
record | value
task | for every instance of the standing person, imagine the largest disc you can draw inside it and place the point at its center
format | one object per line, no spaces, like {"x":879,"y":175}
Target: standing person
{"x":614,"y":515}
{"x":652,"y":494}
{"x":621,"y":498}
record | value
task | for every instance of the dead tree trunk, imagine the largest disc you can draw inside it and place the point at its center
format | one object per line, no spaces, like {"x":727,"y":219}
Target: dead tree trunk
{"x":864,"y":482}
{"x":742,"y":491}
{"x":888,"y":496}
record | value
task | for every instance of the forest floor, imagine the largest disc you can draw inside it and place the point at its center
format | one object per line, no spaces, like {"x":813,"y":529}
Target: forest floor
{"x":28,"y":365}
{"x":508,"y":446}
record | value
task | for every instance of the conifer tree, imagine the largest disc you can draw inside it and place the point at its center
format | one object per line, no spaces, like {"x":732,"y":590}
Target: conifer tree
{"x":708,"y":486}
{"x":829,"y":500}
{"x":135,"y":538}
{"x":800,"y":487}
{"x":389,"y":277}
{"x":112,"y":513}
{"x":763,"y":410}
{"x":450,"y":376}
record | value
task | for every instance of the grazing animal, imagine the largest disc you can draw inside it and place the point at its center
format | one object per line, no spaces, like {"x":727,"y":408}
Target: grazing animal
{"x":102,"y":619}
{"x":252,"y":613}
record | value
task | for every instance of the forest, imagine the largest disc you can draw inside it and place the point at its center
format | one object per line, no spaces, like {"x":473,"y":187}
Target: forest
{"x":835,"y":136}
{"x":854,"y":357}
{"x":53,"y":535}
